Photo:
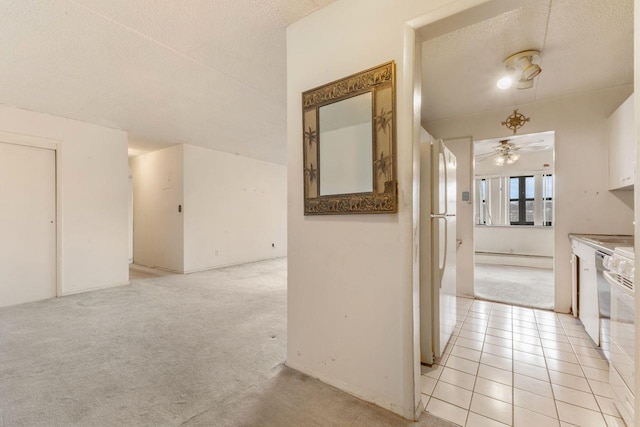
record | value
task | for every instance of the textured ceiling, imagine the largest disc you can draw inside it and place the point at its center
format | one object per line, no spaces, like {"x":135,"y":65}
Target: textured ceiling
{"x":586,"y":45}
{"x":208,"y":73}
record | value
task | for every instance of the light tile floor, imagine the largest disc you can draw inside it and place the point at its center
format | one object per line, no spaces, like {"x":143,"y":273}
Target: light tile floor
{"x":522,"y":367}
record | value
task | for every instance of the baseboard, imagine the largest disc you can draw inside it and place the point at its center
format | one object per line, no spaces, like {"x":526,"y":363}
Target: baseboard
{"x":349,"y":390}
{"x":515,"y":260}
{"x":96,"y":288}
{"x":155,"y":267}
{"x":232,"y":264}
{"x":420,"y":409}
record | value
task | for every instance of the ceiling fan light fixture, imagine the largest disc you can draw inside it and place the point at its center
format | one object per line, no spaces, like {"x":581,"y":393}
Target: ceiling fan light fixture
{"x":506,"y":153}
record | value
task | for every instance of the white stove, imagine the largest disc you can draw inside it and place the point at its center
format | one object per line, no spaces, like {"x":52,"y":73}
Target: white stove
{"x":621,"y":274}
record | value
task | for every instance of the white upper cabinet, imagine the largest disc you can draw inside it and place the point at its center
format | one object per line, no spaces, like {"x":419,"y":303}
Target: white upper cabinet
{"x":622,"y":147}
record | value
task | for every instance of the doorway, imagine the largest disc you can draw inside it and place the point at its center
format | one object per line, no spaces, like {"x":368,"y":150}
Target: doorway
{"x":27,"y":223}
{"x":513,"y":220}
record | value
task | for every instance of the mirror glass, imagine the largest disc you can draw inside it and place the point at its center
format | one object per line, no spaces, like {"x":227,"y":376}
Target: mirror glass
{"x":346,"y":152}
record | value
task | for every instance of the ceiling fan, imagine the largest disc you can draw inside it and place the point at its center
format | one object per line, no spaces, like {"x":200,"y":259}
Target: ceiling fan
{"x":507,"y":152}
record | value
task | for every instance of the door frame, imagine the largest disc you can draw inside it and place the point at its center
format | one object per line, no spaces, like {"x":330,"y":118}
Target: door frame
{"x":55,"y":146}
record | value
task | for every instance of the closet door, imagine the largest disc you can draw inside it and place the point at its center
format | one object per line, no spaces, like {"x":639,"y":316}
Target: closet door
{"x":27,"y":224}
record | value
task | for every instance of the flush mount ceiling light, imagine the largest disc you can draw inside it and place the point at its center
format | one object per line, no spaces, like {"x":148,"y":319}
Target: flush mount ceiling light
{"x":521,"y":69}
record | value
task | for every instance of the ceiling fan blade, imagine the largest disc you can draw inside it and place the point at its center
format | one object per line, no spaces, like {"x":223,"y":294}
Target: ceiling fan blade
{"x":527,"y":143}
{"x":485,"y":156}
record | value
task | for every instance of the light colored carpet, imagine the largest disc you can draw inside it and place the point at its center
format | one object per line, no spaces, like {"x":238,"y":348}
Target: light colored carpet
{"x":525,"y":286}
{"x":205,"y":349}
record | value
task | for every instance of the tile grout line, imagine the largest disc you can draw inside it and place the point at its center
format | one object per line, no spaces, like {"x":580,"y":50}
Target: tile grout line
{"x":466,"y":420}
{"x":573,"y":347}
{"x":475,"y":380}
{"x":451,"y":343}
{"x":553,"y":394}
{"x":485,"y":318}
{"x":513,"y":376}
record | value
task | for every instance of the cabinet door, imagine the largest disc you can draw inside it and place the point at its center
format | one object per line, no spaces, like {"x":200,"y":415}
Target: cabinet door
{"x":622,"y":146}
{"x":589,"y":312}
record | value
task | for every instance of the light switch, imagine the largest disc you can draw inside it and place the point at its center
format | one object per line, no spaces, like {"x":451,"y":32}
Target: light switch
{"x":465,"y":196}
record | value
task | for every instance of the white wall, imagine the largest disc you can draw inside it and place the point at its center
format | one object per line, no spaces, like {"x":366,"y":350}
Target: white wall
{"x":158,"y":236}
{"x":462,"y":148}
{"x":130,"y":215}
{"x":92,"y":197}
{"x":351,"y":312}
{"x":636,"y":191}
{"x":234,"y":209}
{"x":583,"y":204}
{"x":537,"y":241}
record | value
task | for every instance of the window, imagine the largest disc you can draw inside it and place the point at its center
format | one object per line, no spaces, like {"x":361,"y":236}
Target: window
{"x":521,"y":200}
{"x":547,"y":200}
{"x":514,"y":200}
{"x":482,"y":198}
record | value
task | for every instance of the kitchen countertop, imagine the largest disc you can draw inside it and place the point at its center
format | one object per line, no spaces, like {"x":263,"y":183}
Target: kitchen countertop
{"x":604,"y":242}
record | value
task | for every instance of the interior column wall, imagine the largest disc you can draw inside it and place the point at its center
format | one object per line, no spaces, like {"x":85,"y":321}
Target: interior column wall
{"x":462,"y":148}
{"x":350,"y":279}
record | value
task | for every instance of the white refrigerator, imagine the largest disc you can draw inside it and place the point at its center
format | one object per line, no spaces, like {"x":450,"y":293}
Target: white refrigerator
{"x":437,"y":248}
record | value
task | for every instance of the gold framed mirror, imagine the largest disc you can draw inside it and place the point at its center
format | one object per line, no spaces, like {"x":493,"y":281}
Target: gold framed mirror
{"x":349,"y":144}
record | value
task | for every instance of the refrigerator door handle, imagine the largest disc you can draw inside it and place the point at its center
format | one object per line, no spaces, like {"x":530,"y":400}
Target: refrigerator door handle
{"x":444,"y":162}
{"x":435,"y":164}
{"x":445,"y":248}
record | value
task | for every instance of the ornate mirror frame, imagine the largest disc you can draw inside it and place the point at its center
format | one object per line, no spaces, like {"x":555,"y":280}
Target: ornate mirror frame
{"x":380,"y":82}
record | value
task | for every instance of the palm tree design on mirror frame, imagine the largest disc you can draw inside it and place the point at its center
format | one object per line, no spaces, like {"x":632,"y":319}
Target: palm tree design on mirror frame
{"x":311,"y":174}
{"x":310,"y":136}
{"x":383,"y":165}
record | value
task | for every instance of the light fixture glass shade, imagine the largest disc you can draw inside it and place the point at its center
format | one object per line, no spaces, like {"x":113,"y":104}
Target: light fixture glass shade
{"x":507,"y":79}
{"x":504,"y":82}
{"x":506,"y":157}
